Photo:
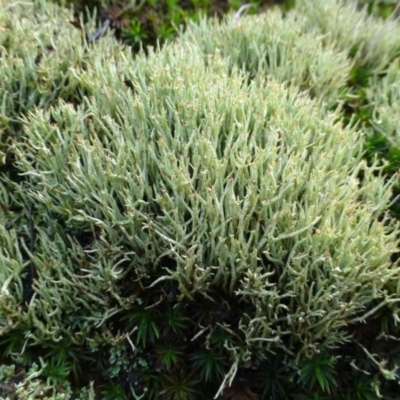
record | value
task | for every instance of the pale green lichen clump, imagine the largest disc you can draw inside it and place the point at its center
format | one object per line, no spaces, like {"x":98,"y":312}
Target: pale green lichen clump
{"x":227,"y":182}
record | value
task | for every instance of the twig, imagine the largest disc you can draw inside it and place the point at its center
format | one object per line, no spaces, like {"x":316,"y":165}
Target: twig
{"x":391,"y":20}
{"x":98,"y":32}
{"x":243,"y":8}
{"x":106,"y":22}
{"x":394,"y":12}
